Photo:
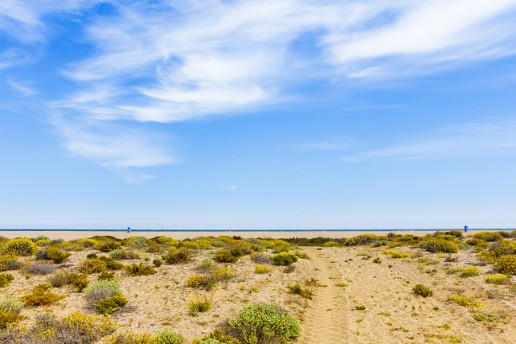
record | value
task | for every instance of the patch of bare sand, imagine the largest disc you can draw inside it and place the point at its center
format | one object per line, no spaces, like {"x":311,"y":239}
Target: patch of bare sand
{"x":393,"y":314}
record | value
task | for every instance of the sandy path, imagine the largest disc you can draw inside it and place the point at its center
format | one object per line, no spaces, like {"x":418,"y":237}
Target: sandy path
{"x":326,"y":320}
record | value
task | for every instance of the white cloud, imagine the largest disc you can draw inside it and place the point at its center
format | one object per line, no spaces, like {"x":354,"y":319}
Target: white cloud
{"x":481,"y":139}
{"x":182,"y":60}
{"x":197,"y":59}
{"x":115,"y":148}
{"x":23,"y":89}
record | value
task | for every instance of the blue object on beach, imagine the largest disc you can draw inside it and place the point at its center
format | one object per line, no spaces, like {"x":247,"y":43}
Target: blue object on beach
{"x":465,"y":229}
{"x":128,"y":229}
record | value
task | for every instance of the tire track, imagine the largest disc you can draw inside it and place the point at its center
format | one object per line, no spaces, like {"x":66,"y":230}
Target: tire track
{"x":326,"y":318}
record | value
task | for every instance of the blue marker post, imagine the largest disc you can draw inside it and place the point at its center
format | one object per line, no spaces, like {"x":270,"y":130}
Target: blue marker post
{"x":128,"y":229}
{"x":465,"y":229}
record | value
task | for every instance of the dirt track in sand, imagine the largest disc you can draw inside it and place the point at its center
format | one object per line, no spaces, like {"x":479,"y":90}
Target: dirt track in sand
{"x":393,"y":314}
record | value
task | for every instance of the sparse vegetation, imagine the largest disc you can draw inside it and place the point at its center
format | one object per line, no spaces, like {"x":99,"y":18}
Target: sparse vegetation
{"x":303,"y":292}
{"x":439,"y":244}
{"x":74,"y":328}
{"x":198,"y":306}
{"x":261,"y":323}
{"x":243,"y":280}
{"x":169,"y":337}
{"x":463,"y":300}
{"x":496,"y":278}
{"x":421,"y":290}
{"x":284,"y":258}
{"x":5,"y":279}
{"x":40,"y":296}
{"x":140,"y":270}
{"x":262,"y":269}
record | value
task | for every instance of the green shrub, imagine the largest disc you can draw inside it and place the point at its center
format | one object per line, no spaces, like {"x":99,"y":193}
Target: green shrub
{"x":470,"y":271}
{"x":331,"y":244}
{"x":506,"y":264}
{"x":136,"y":242}
{"x":140,"y":270}
{"x":198,"y":306}
{"x":9,"y":262}
{"x":10,"y":305}
{"x":223,"y":273}
{"x":112,"y":264}
{"x":91,"y":255}
{"x":284,"y":258}
{"x":488,"y":236}
{"x":177,"y":256}
{"x":5,"y":279}
{"x":10,"y":309}
{"x":122,"y":253}
{"x":128,"y":337}
{"x":201,"y":281}
{"x":225,"y":256}
{"x":503,"y":248}
{"x":7,"y":319}
{"x":105,"y":296}
{"x":421,"y":290}
{"x":40,"y":296}
{"x":396,"y":254}
{"x":58,"y":280}
{"x":301,"y":254}
{"x":78,"y":281}
{"x":262,"y":269}
{"x":303,"y":292}
{"x":48,"y":329}
{"x":488,"y":317}
{"x":477,"y":243}
{"x":263,"y":323}
{"x":362,"y":239}
{"x":110,"y":305}
{"x":377,"y":260}
{"x":157,"y":262}
{"x":463,"y":300}
{"x":169,"y":337}
{"x":439,"y":245}
{"x":102,"y":285}
{"x":456,"y":233}
{"x":496,"y":278}
{"x":217,"y":337}
{"x":206,"y":265}
{"x":105,"y":275}
{"x":21,"y":247}
{"x":109,"y":246}
{"x":93,"y":265}
{"x":56,"y":255}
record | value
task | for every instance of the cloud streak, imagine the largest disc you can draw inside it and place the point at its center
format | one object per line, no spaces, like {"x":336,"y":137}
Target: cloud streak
{"x":480,"y":139}
{"x":176,"y":61}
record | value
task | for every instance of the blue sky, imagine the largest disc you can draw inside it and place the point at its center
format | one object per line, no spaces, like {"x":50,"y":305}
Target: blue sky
{"x":257,"y":114}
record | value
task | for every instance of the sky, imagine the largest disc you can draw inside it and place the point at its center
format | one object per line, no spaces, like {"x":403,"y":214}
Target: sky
{"x":257,"y":114}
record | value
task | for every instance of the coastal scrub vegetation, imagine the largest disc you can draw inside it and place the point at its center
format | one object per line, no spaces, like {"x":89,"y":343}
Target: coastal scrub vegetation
{"x":260,"y":303}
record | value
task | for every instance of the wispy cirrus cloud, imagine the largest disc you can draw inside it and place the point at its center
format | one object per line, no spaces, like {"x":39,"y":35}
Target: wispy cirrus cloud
{"x":170,"y":61}
{"x":22,"y":88}
{"x":479,"y":139}
{"x":203,"y":59}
